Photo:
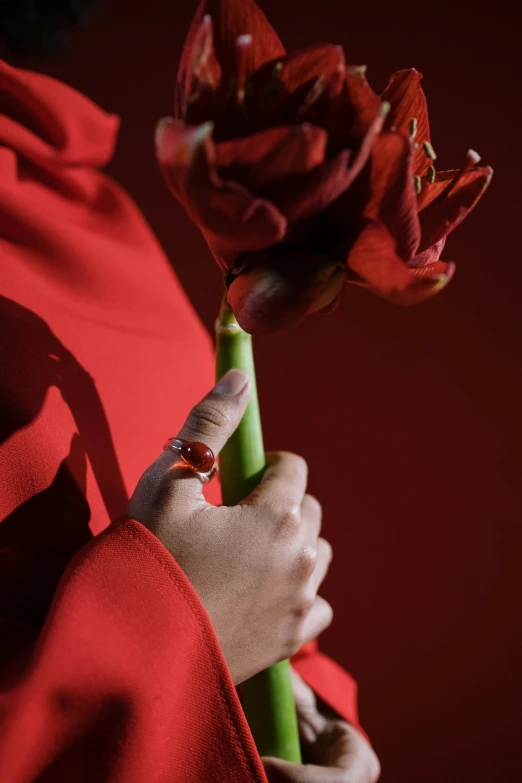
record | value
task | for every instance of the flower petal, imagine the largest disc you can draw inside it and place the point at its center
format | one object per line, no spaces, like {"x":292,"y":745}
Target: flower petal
{"x":444,"y":181}
{"x":280,"y":92}
{"x":426,"y":282}
{"x":271,"y":155}
{"x":374,"y":259}
{"x":344,"y":104}
{"x":234,"y":18}
{"x":302,"y":197}
{"x":279,"y":291}
{"x":428,"y":256}
{"x":302,"y":67}
{"x":449,"y":209}
{"x":199,"y":73}
{"x":381,"y":271}
{"x":363,"y":99}
{"x":432,"y":190}
{"x":408,"y":102}
{"x":392,"y":200}
{"x":231,"y":218}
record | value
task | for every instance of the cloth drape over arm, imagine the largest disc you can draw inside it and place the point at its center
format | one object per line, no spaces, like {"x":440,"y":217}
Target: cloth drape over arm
{"x":109,"y":667}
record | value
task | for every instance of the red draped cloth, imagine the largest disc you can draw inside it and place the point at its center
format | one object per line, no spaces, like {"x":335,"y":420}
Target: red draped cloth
{"x":109,"y":667}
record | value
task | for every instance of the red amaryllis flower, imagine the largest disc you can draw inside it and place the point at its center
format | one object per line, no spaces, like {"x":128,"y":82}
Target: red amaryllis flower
{"x":270,"y":155}
{"x":410,"y":208}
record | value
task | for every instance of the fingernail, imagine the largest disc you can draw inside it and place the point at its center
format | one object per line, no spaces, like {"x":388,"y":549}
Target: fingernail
{"x":232,"y":383}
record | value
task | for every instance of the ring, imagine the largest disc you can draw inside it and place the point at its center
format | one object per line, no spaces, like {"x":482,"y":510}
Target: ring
{"x":196,"y":456}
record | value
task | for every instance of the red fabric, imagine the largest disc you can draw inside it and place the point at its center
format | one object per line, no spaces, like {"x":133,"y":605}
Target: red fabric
{"x":126,"y":683}
{"x":335,"y":686}
{"x":110,"y":669}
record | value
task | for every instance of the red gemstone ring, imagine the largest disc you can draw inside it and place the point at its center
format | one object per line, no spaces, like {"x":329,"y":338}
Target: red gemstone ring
{"x":196,"y":456}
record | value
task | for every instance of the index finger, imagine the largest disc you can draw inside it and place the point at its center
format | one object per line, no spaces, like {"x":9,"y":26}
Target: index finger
{"x":283,"y":483}
{"x":210,"y":423}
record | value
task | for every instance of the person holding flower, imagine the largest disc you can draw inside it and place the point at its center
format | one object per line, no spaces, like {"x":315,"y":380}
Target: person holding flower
{"x":132,"y":604}
{"x":121,"y":643}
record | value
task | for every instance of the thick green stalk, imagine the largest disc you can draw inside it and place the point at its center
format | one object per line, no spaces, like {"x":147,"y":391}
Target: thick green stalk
{"x":267,"y":698}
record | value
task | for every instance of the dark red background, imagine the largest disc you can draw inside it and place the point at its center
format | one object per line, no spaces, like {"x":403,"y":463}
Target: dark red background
{"x":410,"y":419}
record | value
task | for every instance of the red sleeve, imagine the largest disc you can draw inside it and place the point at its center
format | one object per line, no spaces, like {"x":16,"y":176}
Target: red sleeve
{"x":126,"y":681}
{"x":329,"y":681}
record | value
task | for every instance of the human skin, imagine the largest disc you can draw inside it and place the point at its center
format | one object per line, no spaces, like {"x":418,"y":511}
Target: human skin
{"x":257,"y":566}
{"x":334,"y":750}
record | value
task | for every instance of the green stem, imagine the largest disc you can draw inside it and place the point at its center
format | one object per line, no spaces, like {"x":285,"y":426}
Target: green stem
{"x":267,"y":698}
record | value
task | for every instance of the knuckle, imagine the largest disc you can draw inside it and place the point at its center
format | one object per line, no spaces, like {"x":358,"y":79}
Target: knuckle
{"x":289,"y":521}
{"x":300,"y":463}
{"x":304,"y":606}
{"x":314,"y":507}
{"x":293,"y":644}
{"x":290,"y":460}
{"x":327,"y":614}
{"x":306,"y":562}
{"x":326,"y":549}
{"x":375,"y":768}
{"x":207,"y":416}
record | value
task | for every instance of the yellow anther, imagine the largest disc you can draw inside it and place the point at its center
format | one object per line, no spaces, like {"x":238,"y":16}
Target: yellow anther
{"x":430,"y":152}
{"x":417,"y":181}
{"x":431,"y":175}
{"x":359,"y":70}
{"x":413,"y":127}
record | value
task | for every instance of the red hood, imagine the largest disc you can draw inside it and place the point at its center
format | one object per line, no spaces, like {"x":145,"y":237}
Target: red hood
{"x":71,"y":231}
{"x":51,"y":124}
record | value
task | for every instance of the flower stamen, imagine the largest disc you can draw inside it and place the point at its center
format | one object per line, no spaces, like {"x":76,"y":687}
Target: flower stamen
{"x":431,"y":175}
{"x":316,"y":91}
{"x":358,"y":71}
{"x":417,"y":182}
{"x":472,"y":158}
{"x":201,"y":72}
{"x":413,"y":127}
{"x":314,"y":94}
{"x":430,"y":152}
{"x":243,"y":44}
{"x":206,"y":48}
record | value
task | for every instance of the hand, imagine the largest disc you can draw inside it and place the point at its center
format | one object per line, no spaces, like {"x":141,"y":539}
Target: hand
{"x":256,"y":566}
{"x":338,"y":752}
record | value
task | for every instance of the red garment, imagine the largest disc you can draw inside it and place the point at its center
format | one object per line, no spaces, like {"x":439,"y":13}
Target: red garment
{"x":110,"y":669}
